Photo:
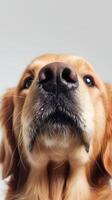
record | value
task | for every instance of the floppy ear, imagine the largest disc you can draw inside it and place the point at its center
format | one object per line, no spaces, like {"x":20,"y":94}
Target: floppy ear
{"x":8,"y":141}
{"x":107,"y":145}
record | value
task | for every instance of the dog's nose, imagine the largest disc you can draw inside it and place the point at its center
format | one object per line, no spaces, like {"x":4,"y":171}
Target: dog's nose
{"x":57,"y":75}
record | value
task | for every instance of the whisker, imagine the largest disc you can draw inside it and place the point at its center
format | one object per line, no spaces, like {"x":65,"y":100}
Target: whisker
{"x":58,"y":166}
{"x":13,"y":95}
{"x":11,"y":161}
{"x":20,"y":140}
{"x":11,"y":117}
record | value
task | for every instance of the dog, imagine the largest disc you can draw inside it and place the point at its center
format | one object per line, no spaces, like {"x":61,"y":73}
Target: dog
{"x":57,"y":132}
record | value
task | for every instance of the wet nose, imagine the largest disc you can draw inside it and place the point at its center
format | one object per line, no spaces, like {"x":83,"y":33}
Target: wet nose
{"x":57,"y":75}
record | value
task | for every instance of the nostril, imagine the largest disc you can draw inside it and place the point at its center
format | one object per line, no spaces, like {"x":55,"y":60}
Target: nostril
{"x":57,"y":76}
{"x":46,"y":75}
{"x":69,"y":76}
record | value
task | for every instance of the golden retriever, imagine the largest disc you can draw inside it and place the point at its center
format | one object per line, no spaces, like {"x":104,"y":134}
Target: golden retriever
{"x":57,"y":132}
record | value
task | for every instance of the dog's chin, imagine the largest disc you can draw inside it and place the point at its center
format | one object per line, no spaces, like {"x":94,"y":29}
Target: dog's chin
{"x":58,"y":137}
{"x":55,"y":128}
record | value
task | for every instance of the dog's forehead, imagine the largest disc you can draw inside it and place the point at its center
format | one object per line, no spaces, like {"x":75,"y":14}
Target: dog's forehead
{"x":77,"y":63}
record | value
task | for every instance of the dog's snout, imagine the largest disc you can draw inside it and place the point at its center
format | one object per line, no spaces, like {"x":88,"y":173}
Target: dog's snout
{"x":57,"y":75}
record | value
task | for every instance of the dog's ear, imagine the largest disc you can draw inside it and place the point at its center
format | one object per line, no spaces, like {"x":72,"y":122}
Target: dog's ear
{"x":107,"y":143}
{"x":7,"y":139}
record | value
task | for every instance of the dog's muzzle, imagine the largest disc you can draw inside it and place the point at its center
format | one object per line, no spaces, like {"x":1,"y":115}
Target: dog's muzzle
{"x":58,"y":110}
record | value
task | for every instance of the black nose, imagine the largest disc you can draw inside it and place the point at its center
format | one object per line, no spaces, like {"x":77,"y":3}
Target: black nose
{"x":57,"y":75}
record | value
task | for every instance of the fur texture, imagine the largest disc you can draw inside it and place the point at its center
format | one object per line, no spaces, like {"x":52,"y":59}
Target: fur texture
{"x":57,"y":169}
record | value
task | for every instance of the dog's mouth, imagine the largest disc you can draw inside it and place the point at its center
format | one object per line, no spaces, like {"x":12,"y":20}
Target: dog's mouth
{"x":55,"y":113}
{"x":60,"y":119}
{"x":57,"y":122}
{"x":57,"y":116}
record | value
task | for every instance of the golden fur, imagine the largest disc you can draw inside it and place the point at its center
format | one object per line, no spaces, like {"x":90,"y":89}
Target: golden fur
{"x":72,"y":173}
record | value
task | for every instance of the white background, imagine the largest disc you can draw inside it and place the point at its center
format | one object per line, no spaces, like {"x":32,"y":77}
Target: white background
{"x":29,"y":28}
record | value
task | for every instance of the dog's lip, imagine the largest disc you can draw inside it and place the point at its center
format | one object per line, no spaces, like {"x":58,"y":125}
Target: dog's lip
{"x":56,"y":121}
{"x":60,"y":116}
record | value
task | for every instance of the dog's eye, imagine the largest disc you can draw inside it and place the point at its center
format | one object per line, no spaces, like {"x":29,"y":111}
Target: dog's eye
{"x":27,"y":82}
{"x":89,"y":80}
